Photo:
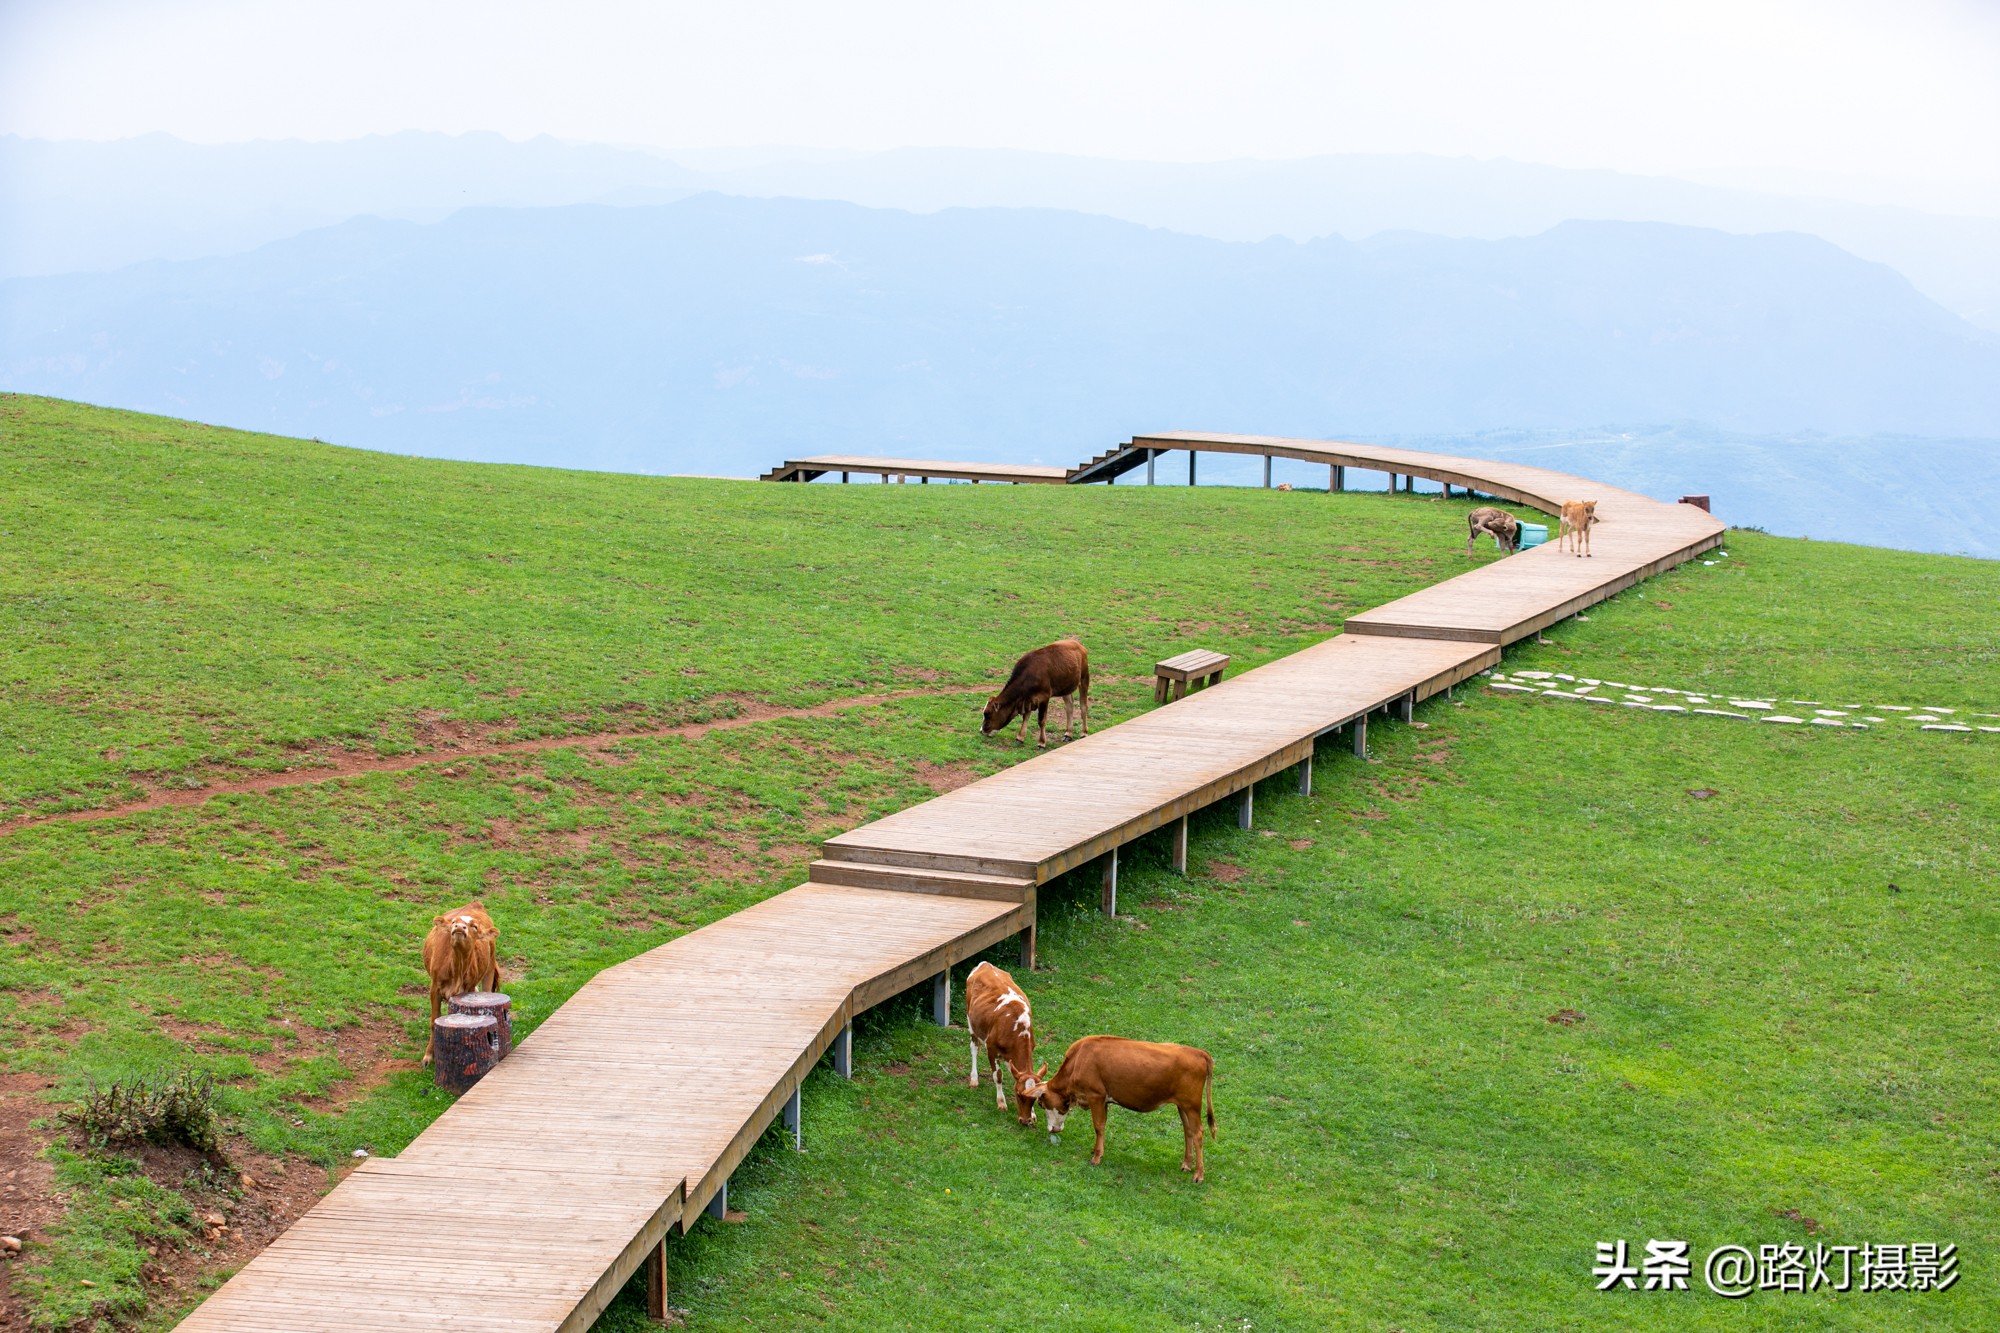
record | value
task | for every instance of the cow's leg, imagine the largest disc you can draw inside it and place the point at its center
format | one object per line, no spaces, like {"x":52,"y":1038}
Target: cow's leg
{"x":973,"y":1081}
{"x":1069,"y":716}
{"x":1042,"y":726}
{"x":1022,"y":734}
{"x":1191,"y":1138}
{"x":430,"y":1037}
{"x":999,"y":1094}
{"x":1098,"y":1113}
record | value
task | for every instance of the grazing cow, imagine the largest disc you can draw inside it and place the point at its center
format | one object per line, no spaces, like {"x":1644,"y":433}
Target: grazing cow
{"x":1139,"y":1076}
{"x":1058,"y":671}
{"x":1578,"y":516}
{"x":458,"y":953}
{"x":997,"y":1013}
{"x":1501,"y":526}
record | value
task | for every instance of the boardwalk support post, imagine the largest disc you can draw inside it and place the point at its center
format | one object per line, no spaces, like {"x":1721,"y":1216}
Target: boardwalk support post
{"x":1180,"y":845}
{"x":1306,"y":776}
{"x":1407,"y":706}
{"x":1243,"y":807}
{"x":656,"y":1283}
{"x":941,"y":999}
{"x":1027,"y":947}
{"x":718,"y":1206}
{"x":1109,"y":894}
{"x":1361,"y":737}
{"x":1151,"y":454}
{"x":843,"y":1052}
{"x":1336,"y":478}
{"x":795,"y":1121}
{"x":1191,"y":458}
{"x":1267,"y":472}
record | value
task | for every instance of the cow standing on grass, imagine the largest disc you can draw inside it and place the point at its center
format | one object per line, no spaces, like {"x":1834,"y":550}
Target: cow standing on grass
{"x":997,"y":1013}
{"x":1139,"y":1076}
{"x":458,"y":953}
{"x":1501,"y":526}
{"x":1059,"y":671}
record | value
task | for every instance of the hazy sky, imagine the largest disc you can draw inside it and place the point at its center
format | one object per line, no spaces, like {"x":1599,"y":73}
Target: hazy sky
{"x":1900,"y":97}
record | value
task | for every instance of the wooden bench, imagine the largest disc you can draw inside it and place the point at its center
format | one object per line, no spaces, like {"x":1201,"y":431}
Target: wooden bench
{"x":1197,"y":664}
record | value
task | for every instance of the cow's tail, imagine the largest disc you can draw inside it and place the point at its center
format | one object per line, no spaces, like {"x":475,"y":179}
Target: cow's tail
{"x":1208,"y":1090}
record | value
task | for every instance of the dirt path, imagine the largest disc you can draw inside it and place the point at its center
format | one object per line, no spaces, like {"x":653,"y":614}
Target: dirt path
{"x":332,"y":767}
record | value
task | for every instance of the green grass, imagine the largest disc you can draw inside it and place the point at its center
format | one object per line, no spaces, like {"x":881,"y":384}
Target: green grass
{"x":1405,"y":1141}
{"x":185,"y":600}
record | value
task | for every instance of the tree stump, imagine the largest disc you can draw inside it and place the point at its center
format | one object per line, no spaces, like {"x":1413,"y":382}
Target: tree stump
{"x":489,"y":1002}
{"x":467,"y":1045}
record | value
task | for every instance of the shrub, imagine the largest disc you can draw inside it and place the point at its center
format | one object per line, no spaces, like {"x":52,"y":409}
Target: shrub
{"x":175,"y":1109}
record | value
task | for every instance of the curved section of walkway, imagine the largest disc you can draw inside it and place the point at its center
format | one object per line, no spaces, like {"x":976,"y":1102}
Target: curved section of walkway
{"x":624,"y":1113}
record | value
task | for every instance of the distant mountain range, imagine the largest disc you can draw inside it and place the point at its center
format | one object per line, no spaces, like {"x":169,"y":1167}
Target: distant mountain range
{"x":76,"y":206}
{"x":718,"y":334}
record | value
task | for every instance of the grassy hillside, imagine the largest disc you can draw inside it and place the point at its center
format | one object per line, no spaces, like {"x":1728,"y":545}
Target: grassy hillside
{"x":1406,"y":1141}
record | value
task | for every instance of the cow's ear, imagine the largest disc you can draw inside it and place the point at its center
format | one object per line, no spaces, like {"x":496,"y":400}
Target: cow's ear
{"x":1043,"y":1072}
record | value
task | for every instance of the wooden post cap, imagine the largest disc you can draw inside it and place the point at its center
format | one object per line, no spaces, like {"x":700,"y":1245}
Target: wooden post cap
{"x":466,"y":1047}
{"x":489,"y":1002}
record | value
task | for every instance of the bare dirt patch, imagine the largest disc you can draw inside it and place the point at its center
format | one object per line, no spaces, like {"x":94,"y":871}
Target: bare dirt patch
{"x":1226,"y":871}
{"x":942,"y":778}
{"x":27,"y":1197}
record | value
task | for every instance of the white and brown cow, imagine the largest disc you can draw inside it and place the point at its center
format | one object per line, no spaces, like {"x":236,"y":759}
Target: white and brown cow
{"x":1003,"y":1027}
{"x":1139,"y":1076}
{"x":1578,"y":517}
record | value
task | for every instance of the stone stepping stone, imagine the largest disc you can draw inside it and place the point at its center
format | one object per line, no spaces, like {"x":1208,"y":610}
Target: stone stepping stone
{"x":1921,"y":717}
{"x":1829,"y":712}
{"x":1945,"y":726}
{"x":1559,"y":694}
{"x":1676,"y":708}
{"x":1531,"y":675}
{"x":1638,"y":698}
{"x":1722,"y":712}
{"x":1779,"y":717}
{"x":1750,"y":703}
{"x":1818,"y":721}
{"x":1511,"y":689}
{"x":1895,"y":708}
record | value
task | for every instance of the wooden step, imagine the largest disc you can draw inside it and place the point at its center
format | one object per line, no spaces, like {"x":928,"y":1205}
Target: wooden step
{"x":838,"y":849}
{"x":908,"y":879}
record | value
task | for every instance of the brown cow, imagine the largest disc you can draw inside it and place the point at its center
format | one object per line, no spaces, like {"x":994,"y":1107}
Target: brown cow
{"x":1501,"y":526}
{"x":458,"y":953}
{"x":1056,"y":672}
{"x":1002,"y":1026}
{"x":1578,"y":517}
{"x":1139,"y":1076}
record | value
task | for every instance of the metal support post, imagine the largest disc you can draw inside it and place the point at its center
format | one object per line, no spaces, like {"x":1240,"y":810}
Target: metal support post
{"x":1151,"y":454}
{"x":1267,"y":472}
{"x":1109,"y":892}
{"x":719,"y":1205}
{"x":1306,"y":776}
{"x":941,"y":999}
{"x":1180,"y":845}
{"x":1243,"y":807}
{"x":843,"y":1052}
{"x":794,"y":1121}
{"x":1361,"y":737}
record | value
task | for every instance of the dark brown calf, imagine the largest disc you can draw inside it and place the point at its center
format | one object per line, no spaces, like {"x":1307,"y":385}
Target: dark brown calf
{"x":1001,"y":1024}
{"x":1056,"y":672}
{"x":1139,"y":1076}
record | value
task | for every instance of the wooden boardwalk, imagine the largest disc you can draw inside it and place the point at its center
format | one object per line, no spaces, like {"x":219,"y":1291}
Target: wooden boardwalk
{"x":811,"y":469}
{"x":622,"y":1116}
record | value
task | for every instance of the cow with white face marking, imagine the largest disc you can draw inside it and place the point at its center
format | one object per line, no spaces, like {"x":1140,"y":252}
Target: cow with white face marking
{"x":997,"y":1012}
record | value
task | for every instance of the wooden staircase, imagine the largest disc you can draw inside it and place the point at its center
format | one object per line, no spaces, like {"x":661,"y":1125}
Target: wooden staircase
{"x":1107,"y":465}
{"x":924,"y":872}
